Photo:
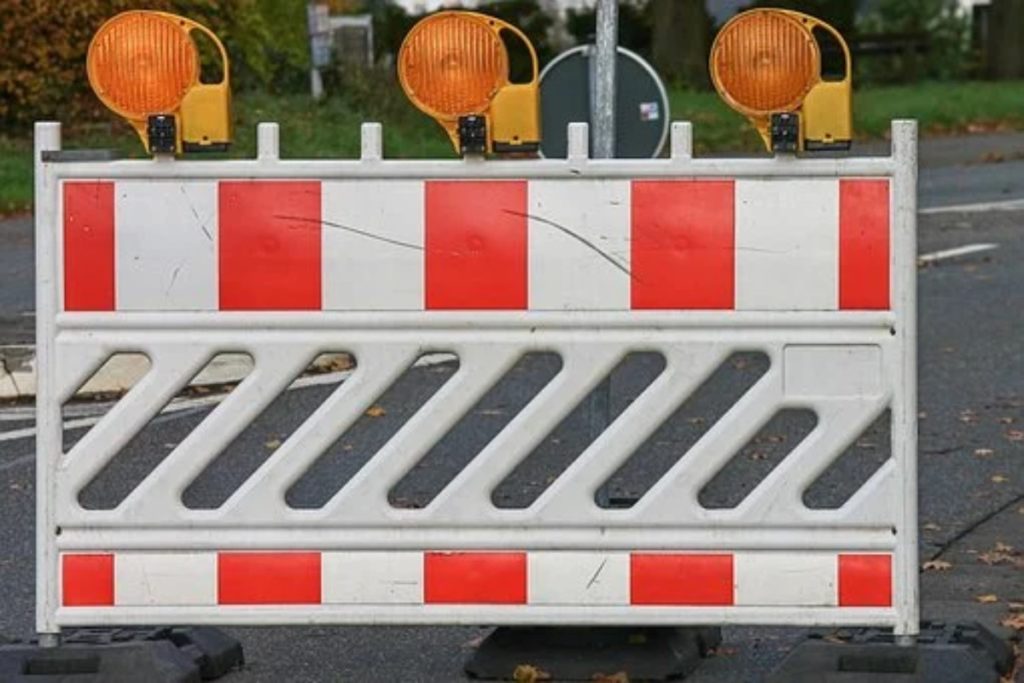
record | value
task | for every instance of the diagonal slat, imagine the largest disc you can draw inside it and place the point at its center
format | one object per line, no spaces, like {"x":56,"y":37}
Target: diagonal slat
{"x":172,"y":368}
{"x":674,"y":496}
{"x":468,"y":496}
{"x":76,"y":364}
{"x":364,"y":497}
{"x":158,"y":497}
{"x":261,"y":497}
{"x":571,"y":496}
{"x":779,"y":496}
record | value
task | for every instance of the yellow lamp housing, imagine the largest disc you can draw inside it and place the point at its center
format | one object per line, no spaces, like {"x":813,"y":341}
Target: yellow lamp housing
{"x":766,"y":64}
{"x":145,"y":67}
{"x":454,"y":66}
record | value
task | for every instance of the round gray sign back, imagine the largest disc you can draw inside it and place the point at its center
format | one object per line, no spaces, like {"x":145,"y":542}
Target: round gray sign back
{"x":641,"y":103}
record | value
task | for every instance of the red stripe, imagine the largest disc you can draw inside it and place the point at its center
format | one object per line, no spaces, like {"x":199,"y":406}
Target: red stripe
{"x":675,"y":579}
{"x":269,"y":244}
{"x":683,"y":240}
{"x":864,"y":244}
{"x":476,"y":245}
{"x":474,"y":578}
{"x":87,"y":580}
{"x":865,"y":580}
{"x":268,"y":578}
{"x":88,"y":246}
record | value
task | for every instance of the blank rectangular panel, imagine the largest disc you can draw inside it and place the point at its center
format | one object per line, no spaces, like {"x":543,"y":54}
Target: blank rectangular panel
{"x":476,"y":242}
{"x":683,"y":244}
{"x":787,"y":245}
{"x":88,"y":246}
{"x":373,"y":245}
{"x":579,"y":245}
{"x":166,"y":245}
{"x":269,"y":249}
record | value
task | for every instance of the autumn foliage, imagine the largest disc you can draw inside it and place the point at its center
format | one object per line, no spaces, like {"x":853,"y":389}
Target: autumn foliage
{"x":42,"y":54}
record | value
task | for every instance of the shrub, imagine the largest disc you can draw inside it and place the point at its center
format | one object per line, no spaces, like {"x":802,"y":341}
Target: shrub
{"x":42,"y":56}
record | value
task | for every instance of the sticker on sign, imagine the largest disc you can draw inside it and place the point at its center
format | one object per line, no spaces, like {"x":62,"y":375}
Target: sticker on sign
{"x":649,"y":111}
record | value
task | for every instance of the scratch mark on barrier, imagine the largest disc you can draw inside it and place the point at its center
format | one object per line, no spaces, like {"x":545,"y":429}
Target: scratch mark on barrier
{"x":579,"y":238}
{"x":597,"y":573}
{"x":192,"y":208}
{"x":357,"y":231}
{"x":174,"y":278}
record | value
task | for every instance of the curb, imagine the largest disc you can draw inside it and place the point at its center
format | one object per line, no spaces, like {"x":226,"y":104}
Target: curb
{"x":121,"y":372}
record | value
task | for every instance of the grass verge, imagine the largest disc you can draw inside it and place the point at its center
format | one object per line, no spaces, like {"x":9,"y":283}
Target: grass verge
{"x":330,"y":128}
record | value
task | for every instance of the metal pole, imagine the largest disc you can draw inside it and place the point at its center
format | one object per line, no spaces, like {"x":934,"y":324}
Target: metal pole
{"x":603,"y":117}
{"x":603,"y":103}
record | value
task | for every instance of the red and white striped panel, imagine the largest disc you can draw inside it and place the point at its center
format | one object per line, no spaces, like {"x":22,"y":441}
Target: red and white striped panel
{"x":393,"y":245}
{"x":577,"y":578}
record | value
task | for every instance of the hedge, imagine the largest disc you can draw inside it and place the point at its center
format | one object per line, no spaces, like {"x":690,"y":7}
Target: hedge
{"x":42,"y":56}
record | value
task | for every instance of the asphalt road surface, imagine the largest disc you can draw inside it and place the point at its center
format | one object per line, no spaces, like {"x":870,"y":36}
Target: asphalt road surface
{"x":971,"y":457}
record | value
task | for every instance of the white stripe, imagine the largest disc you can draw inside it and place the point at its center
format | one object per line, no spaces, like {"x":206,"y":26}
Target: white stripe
{"x":373,"y":238}
{"x":166,"y":245}
{"x":164,"y":578}
{"x":372,"y":578}
{"x":578,"y":578}
{"x":772,"y":579}
{"x":579,"y":244}
{"x":979,"y":207}
{"x":965,"y":250}
{"x":787,"y":245}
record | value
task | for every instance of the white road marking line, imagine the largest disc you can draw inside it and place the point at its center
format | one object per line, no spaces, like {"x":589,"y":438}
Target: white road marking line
{"x":936,"y":256}
{"x":178,"y":405}
{"x":977,"y":207}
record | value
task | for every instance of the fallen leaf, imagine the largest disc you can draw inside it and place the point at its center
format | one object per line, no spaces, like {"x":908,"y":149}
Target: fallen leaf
{"x":983,"y":452}
{"x":376,"y":411}
{"x":1014,"y":621}
{"x":524,"y":673}
{"x":1015,"y":435}
{"x":936,"y":566}
{"x":273,"y":443}
{"x":932,"y":526}
{"x":1003,"y":547}
{"x":999,"y":479}
{"x":1006,"y":420}
{"x":987,"y":599}
{"x":619,"y":677}
{"x":1016,"y":606}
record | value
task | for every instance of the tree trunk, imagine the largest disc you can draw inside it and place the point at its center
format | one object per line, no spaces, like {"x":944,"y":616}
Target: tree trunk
{"x":681,"y":41}
{"x":1005,"y":53}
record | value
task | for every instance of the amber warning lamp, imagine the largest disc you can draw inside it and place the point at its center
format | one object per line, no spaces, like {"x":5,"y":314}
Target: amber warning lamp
{"x":454,"y":66}
{"x":767,"y":65}
{"x":145,"y":67}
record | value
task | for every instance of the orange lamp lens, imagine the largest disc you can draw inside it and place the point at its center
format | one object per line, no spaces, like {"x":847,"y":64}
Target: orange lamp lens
{"x":451,"y":65}
{"x":142,"y":63}
{"x":765,"y":61}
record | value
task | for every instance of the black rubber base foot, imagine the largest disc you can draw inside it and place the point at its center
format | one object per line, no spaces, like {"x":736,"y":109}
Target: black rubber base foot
{"x":580,"y":654}
{"x":124,"y":655}
{"x":945,"y":653}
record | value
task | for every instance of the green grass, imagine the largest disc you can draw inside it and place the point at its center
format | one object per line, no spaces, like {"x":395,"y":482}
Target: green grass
{"x":330,"y":128}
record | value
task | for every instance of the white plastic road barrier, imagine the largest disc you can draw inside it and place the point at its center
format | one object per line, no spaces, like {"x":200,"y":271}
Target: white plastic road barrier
{"x":808,"y":261}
